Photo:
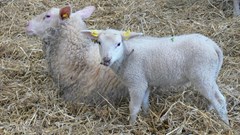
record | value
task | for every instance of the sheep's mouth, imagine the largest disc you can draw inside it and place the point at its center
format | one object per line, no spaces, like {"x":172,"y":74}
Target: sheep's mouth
{"x":30,"y":32}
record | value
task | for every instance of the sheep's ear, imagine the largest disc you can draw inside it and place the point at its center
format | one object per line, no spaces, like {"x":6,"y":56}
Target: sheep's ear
{"x":128,"y":34}
{"x":93,"y":34}
{"x":65,"y":12}
{"x":86,"y":12}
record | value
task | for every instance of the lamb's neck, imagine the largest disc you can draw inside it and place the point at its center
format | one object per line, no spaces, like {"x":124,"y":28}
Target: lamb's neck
{"x":119,"y":65}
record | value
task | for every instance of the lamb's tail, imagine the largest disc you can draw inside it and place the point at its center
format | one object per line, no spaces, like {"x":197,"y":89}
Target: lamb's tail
{"x":220,"y":58}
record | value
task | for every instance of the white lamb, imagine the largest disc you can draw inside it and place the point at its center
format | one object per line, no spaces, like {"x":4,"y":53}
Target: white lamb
{"x":149,"y":61}
{"x":73,"y":59}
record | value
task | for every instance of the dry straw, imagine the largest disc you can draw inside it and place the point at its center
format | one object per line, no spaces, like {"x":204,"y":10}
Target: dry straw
{"x":29,"y":103}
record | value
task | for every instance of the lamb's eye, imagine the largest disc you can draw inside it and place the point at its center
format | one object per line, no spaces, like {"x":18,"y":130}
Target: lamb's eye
{"x":118,"y":44}
{"x":99,"y":43}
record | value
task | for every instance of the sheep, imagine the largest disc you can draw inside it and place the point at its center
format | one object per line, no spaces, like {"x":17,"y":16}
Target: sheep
{"x":73,"y":59}
{"x":142,"y":62}
{"x":236,"y":8}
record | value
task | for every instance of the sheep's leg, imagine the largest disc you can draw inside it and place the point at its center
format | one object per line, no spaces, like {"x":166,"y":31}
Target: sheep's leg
{"x":211,"y":92}
{"x":136,"y":99}
{"x":145,"y":103}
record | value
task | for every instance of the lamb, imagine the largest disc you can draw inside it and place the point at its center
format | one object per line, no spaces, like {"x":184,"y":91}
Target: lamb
{"x":73,"y":59}
{"x":142,"y":62}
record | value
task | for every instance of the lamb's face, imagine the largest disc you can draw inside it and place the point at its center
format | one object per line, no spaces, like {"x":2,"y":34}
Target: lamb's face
{"x":39,"y":24}
{"x":110,"y":46}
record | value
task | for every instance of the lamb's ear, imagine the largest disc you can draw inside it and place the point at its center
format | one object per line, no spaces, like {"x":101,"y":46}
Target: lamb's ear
{"x":128,"y":34}
{"x":65,"y":12}
{"x":86,"y":12}
{"x":93,"y":34}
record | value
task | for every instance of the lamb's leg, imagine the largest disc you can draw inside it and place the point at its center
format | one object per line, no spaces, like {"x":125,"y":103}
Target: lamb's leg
{"x":210,"y":91}
{"x":136,"y":99}
{"x":210,"y":107}
{"x":236,"y":7}
{"x":145,"y":103}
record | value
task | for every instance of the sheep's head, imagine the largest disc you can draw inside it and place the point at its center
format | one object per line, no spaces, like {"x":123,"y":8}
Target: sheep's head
{"x":54,"y":17}
{"x":111,"y":46}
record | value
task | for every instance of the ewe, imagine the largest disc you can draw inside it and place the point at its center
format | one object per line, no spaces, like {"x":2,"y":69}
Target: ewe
{"x":149,"y":61}
{"x":73,"y":59}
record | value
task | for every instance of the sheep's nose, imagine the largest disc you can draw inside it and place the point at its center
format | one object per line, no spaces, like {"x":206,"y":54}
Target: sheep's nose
{"x":27,"y":24}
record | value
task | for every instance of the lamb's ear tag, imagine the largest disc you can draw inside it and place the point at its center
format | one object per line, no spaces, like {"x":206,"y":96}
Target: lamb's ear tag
{"x":94,"y":33}
{"x":126,"y":34}
{"x":65,"y":12}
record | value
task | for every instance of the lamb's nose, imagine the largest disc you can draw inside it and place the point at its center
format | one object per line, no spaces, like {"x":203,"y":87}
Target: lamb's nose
{"x":106,"y":59}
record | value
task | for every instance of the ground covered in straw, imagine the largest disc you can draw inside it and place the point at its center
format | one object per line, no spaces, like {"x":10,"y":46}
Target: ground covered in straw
{"x":29,"y":103}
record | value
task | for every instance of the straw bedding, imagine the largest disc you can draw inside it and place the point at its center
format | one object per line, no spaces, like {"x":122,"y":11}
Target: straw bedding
{"x":29,"y":103}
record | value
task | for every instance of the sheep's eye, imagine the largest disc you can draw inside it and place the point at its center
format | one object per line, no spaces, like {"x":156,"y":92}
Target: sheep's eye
{"x":118,"y":44}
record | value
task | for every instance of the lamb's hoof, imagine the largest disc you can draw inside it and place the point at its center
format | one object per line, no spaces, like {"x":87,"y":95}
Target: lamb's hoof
{"x":210,"y":107}
{"x":145,"y":113}
{"x":132,"y":120}
{"x":132,"y":123}
{"x":226,"y":121}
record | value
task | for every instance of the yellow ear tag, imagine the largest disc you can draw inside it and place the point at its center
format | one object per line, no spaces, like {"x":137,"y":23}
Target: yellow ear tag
{"x":94,"y":33}
{"x":126,"y":34}
{"x":65,"y":16}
